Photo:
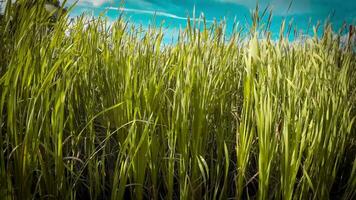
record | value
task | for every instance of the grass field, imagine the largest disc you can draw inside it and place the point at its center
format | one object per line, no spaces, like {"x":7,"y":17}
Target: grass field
{"x":92,"y":111}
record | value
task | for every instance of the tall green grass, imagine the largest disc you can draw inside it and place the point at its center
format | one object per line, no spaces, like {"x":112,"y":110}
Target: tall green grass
{"x":92,"y":111}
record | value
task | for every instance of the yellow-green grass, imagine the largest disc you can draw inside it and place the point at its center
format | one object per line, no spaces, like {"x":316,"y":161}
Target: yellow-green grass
{"x":92,"y":111}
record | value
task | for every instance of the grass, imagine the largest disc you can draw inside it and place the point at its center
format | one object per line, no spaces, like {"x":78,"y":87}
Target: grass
{"x":92,"y":111}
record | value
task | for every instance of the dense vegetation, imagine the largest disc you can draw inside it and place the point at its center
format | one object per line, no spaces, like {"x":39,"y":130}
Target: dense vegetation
{"x":89,"y":110}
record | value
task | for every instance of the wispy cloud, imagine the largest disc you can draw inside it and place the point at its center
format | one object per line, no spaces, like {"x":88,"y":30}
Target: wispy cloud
{"x":95,"y":3}
{"x":151,"y":12}
{"x":279,"y":7}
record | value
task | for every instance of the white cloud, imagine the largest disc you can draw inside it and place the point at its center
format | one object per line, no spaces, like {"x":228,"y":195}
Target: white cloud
{"x":279,"y":7}
{"x":150,"y":12}
{"x":95,"y":3}
{"x":98,"y":2}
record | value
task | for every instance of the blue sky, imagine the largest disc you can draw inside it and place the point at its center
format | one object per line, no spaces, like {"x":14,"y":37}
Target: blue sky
{"x":173,"y":13}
